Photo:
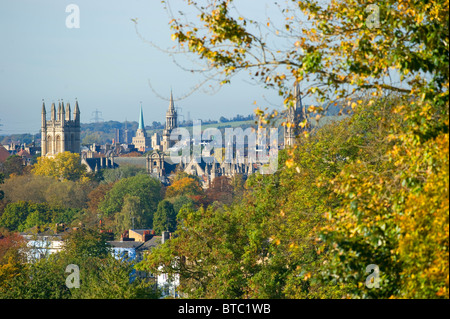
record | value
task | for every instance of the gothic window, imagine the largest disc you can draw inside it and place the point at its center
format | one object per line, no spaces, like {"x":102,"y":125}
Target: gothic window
{"x":49,"y":144}
{"x":58,"y":144}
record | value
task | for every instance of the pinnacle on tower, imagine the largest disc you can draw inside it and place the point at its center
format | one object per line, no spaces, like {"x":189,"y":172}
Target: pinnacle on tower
{"x":59,"y":112}
{"x":43,"y":114}
{"x":68,"y":115}
{"x":53,"y":112}
{"x":76,"y":112}
{"x":63,"y":113}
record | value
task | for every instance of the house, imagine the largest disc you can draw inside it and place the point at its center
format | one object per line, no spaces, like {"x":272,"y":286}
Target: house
{"x":4,"y":154}
{"x":42,"y":245}
{"x":133,"y":245}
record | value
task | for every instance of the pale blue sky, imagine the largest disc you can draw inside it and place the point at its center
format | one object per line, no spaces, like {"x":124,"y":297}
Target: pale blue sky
{"x":103,"y":63}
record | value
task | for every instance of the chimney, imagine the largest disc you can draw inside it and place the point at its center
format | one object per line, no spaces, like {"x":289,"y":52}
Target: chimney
{"x":165,"y":236}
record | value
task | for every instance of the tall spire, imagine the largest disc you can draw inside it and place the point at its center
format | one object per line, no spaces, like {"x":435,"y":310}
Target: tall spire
{"x":141,"y":120}
{"x":171,"y":104}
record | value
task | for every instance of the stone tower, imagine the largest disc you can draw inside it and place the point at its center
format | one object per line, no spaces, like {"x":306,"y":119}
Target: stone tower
{"x":171,"y":124}
{"x":295,"y":116}
{"x":61,"y":133}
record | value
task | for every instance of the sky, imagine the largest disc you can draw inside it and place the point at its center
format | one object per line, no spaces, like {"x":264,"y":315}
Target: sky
{"x":105,"y":65}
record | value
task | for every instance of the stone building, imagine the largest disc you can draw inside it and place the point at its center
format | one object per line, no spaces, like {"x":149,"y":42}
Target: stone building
{"x":60,"y":133}
{"x":141,"y":141}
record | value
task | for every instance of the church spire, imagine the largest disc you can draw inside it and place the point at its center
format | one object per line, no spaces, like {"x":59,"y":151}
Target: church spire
{"x":171,"y":104}
{"x":141,"y":119}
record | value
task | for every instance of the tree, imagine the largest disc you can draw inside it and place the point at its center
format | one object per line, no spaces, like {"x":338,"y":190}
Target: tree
{"x":14,"y":215}
{"x":2,"y":180}
{"x":12,"y":245}
{"x":220,"y":190}
{"x":124,"y":171}
{"x":164,"y":218}
{"x":185,"y":186}
{"x":346,"y":50}
{"x":101,"y":275}
{"x":12,"y":165}
{"x":179,"y":202}
{"x":44,"y":279}
{"x":65,"y":166}
{"x":24,"y":215}
{"x":27,"y":187}
{"x":96,"y":196}
{"x":146,"y":188}
{"x":131,"y":216}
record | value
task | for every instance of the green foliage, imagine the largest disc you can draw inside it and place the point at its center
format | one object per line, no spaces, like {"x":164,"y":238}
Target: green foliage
{"x":124,"y":171}
{"x":12,"y":165}
{"x":131,"y":216}
{"x":23,"y":215}
{"x":164,"y":218}
{"x":147,"y":189}
{"x":101,"y":275}
{"x":179,"y":202}
{"x":44,"y":279}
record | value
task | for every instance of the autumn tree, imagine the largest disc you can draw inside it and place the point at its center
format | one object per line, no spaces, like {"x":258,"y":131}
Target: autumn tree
{"x":392,"y":198}
{"x":220,"y":190}
{"x":11,"y":246}
{"x":185,"y":186}
{"x":64,"y":166}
